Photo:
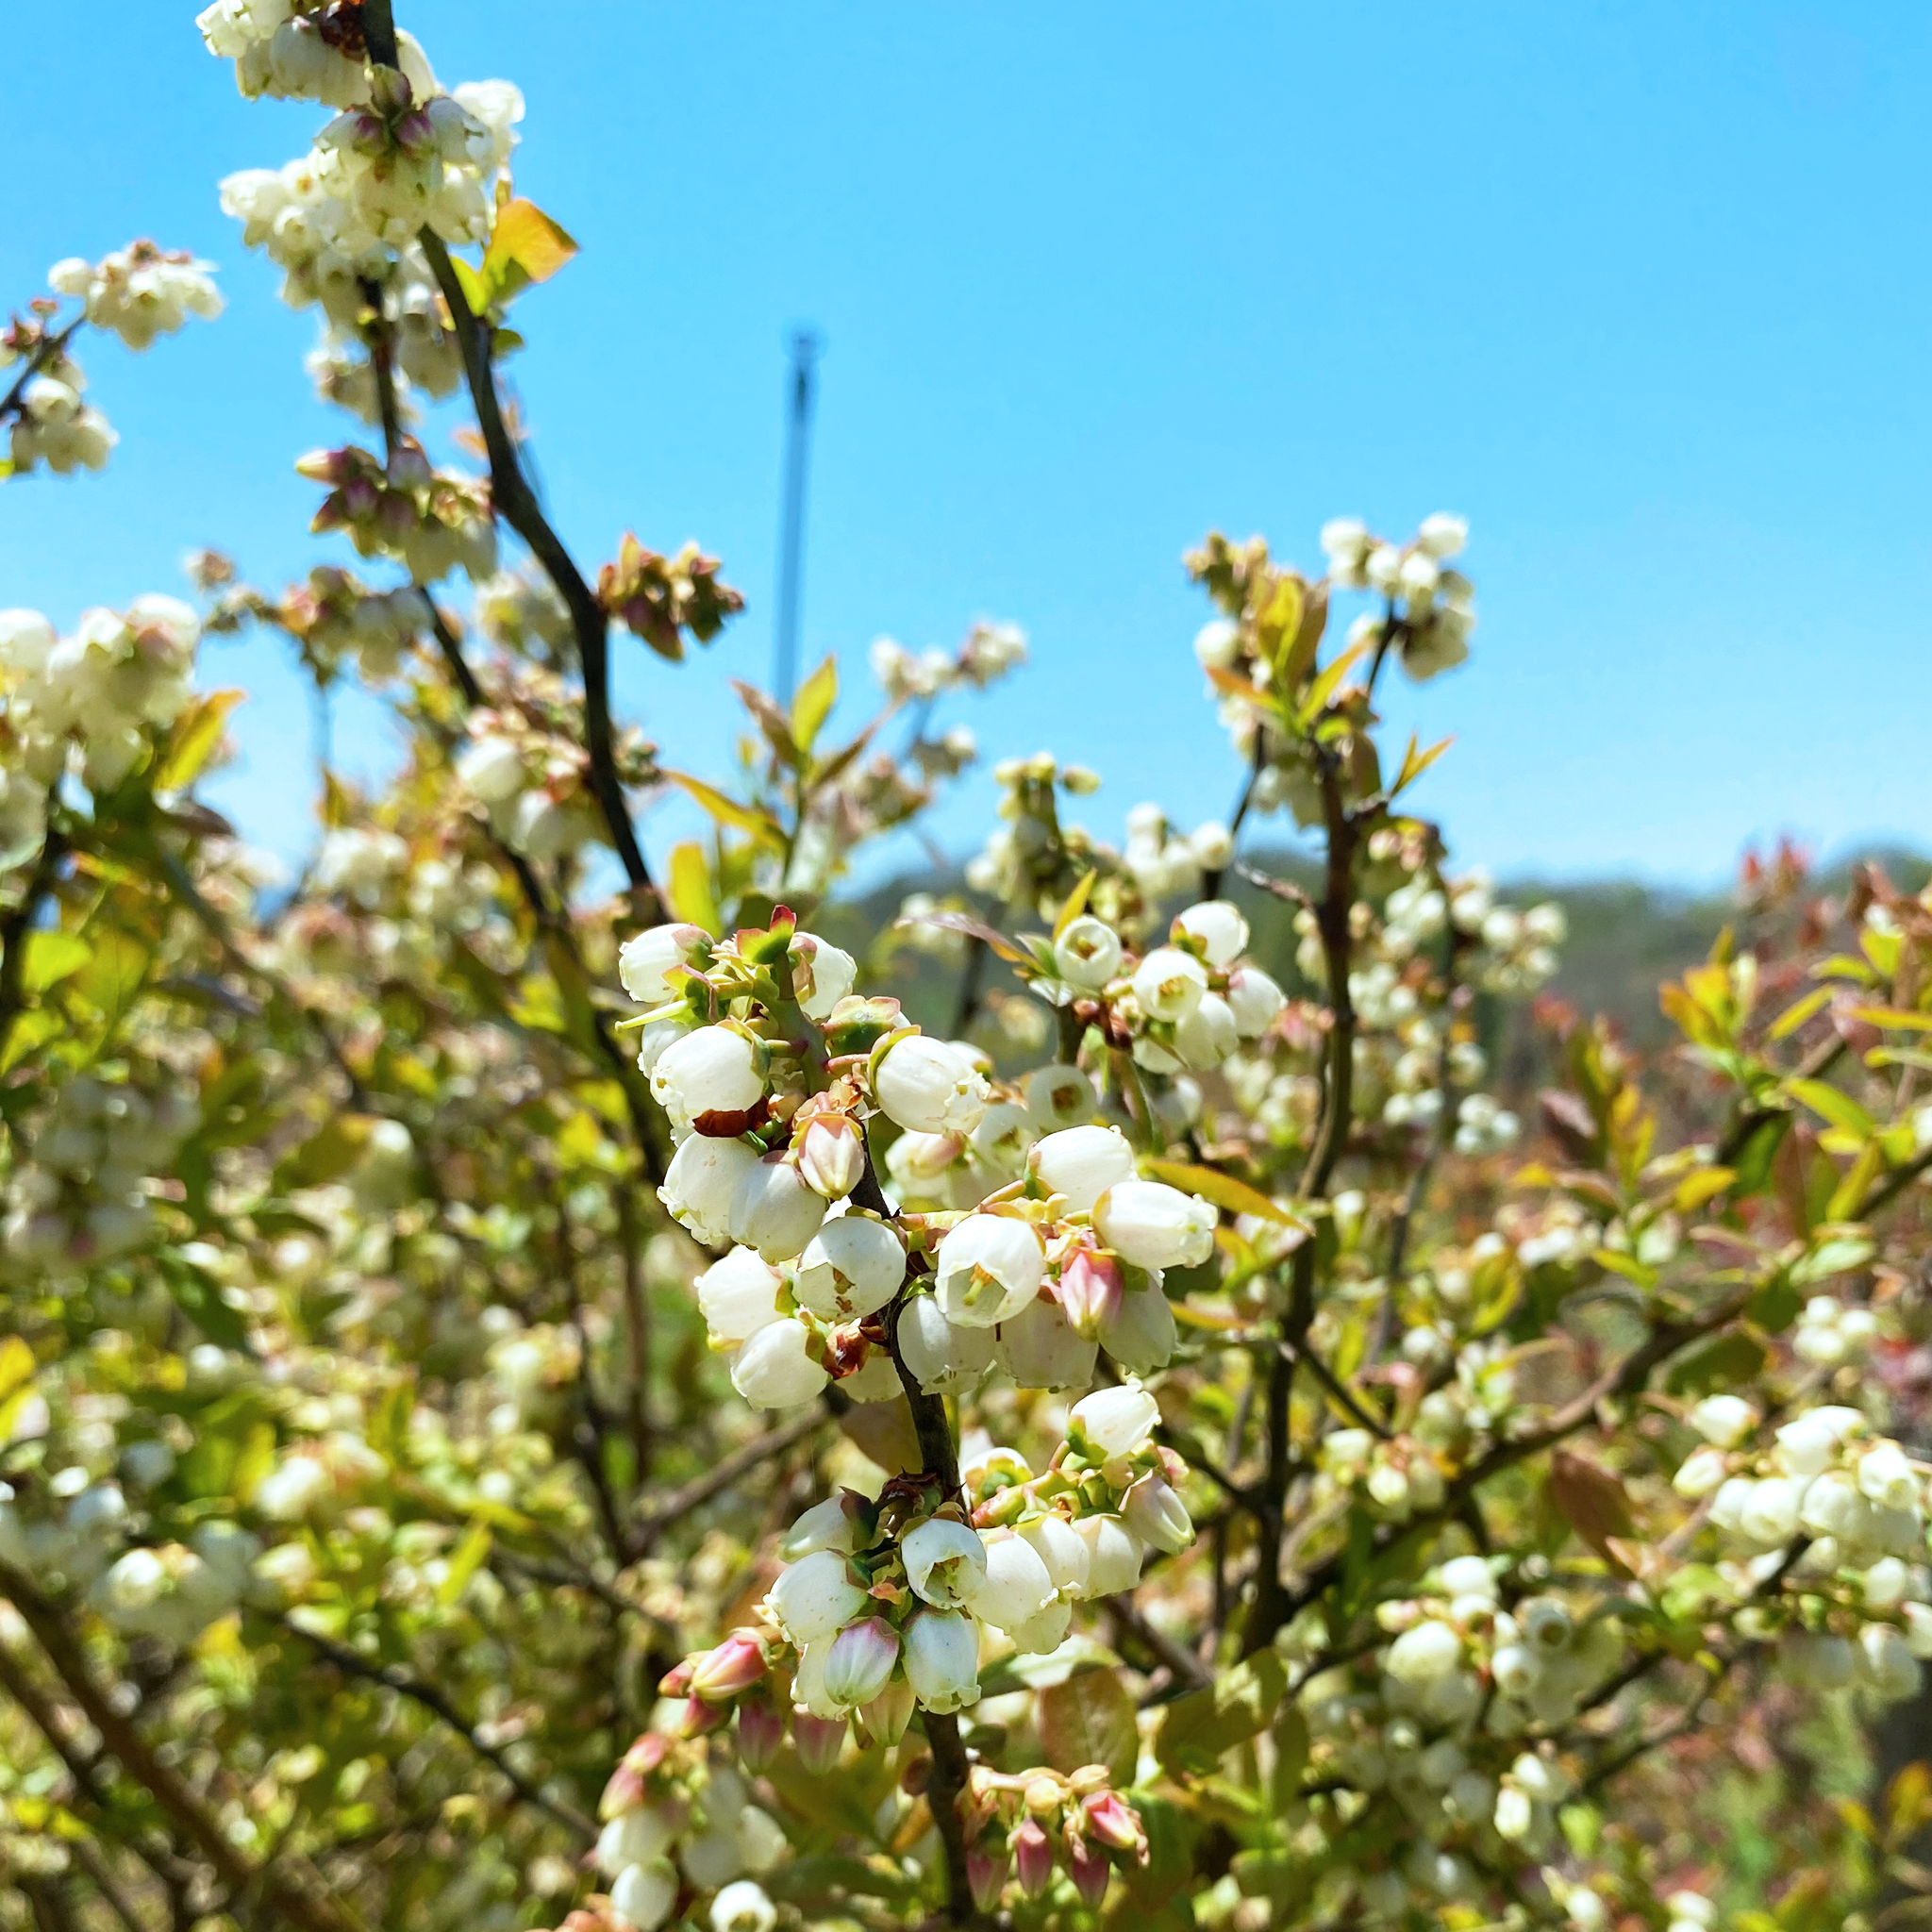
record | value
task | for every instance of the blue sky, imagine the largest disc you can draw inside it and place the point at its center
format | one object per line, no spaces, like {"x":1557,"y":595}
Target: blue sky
{"x":1640,"y":289}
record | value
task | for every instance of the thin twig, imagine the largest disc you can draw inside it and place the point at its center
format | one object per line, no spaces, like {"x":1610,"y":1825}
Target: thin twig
{"x":393,"y":1677}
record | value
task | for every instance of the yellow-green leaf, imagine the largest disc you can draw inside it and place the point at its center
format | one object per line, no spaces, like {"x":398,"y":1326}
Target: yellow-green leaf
{"x":16,"y":1365}
{"x":1840,"y":1109}
{"x":195,"y":739}
{"x":1326,"y":685}
{"x":689,"y":888}
{"x":50,"y":957}
{"x":1799,"y":1011}
{"x":1893,"y":1016}
{"x":1415,"y":763}
{"x":814,"y":702}
{"x":466,"y":1560}
{"x":1223,"y":1189}
{"x":525,"y":246}
{"x":1076,"y":902}
{"x":1694,"y":1190}
{"x":727,"y":812}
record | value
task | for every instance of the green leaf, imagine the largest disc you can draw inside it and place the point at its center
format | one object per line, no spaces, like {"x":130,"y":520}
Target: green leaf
{"x":51,"y":957}
{"x":1223,"y":1189}
{"x":689,"y":888}
{"x":1838,"y":1256}
{"x":1198,"y":1730}
{"x":1089,"y":1720}
{"x":1414,"y":763}
{"x":1325,"y":686}
{"x":1840,"y":1109}
{"x":727,"y":812}
{"x":464,"y":1563}
{"x":813,"y":704}
{"x":195,"y":739}
{"x":1723,"y":1363}
{"x":525,"y":246}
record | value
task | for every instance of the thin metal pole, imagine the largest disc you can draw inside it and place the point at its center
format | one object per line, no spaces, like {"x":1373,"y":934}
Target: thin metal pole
{"x":805,"y":348}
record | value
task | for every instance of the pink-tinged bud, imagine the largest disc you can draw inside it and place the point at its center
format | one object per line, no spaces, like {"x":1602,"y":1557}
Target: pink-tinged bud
{"x":760,"y":1731}
{"x":395,"y":513}
{"x":415,"y":133}
{"x":831,"y":1155}
{"x":697,"y":1717}
{"x":986,"y":1872}
{"x":884,"y":1720}
{"x":734,"y":1665}
{"x":1088,"y":1870}
{"x":1090,"y":1291}
{"x":1154,"y":1511}
{"x":820,"y":1739}
{"x":626,"y":1789}
{"x":676,"y":1682}
{"x":1115,"y":1823}
{"x":1032,"y":1857}
{"x":859,"y":1663}
{"x":409,"y":467}
{"x":322,"y":465}
{"x":359,"y":499}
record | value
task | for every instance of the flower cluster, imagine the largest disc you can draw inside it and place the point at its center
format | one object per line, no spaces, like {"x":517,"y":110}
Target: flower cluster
{"x":679,"y":1823}
{"x":1834,"y":1513}
{"x":430,"y":521}
{"x":87,"y":1196}
{"x":140,"y":291}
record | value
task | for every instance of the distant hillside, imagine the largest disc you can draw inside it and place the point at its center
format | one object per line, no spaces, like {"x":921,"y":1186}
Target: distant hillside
{"x":1626,"y":939}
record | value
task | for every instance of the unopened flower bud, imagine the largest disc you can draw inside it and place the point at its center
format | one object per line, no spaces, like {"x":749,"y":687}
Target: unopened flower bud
{"x":831,"y":1155}
{"x":861,"y":1661}
{"x":760,"y":1732}
{"x":987,"y":1865}
{"x":1090,"y":1289}
{"x":820,"y":1739}
{"x":1153,"y":1509}
{"x":1032,"y":1857}
{"x":732,"y":1667}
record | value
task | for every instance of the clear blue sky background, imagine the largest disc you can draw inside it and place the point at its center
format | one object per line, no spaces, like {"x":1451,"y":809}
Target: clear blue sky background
{"x":1641,"y":288}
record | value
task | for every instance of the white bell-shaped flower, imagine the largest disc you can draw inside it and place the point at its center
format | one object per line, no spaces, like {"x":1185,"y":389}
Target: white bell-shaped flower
{"x":1082,"y":1164}
{"x":774,"y":1368}
{"x":1169,"y":983}
{"x":816,"y":1597}
{"x":930,"y":1086}
{"x":738,"y":1296}
{"x":944,"y":1560}
{"x":774,"y":1211}
{"x":853,"y":1265}
{"x":943,"y":1659}
{"x":1219,"y":927}
{"x":643,"y":961}
{"x":1154,"y":1225}
{"x":988,"y":1268}
{"x":701,"y":1182}
{"x":941,"y":1354}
